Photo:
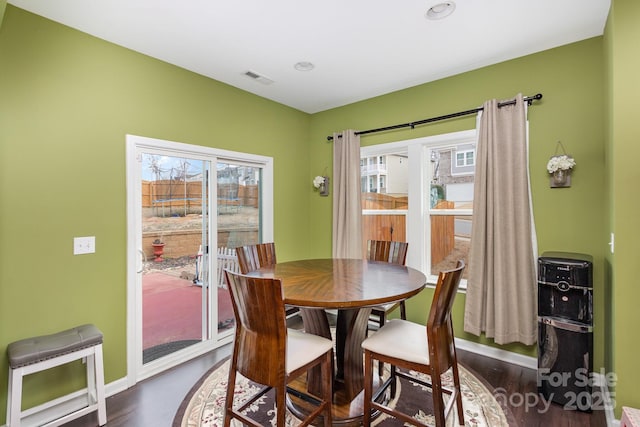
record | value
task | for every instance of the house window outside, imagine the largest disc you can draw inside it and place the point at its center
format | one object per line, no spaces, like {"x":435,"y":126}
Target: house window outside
{"x":465,"y":158}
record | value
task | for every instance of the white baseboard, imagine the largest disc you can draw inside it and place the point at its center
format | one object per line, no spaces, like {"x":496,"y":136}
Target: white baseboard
{"x":601,"y":382}
{"x":496,"y":353}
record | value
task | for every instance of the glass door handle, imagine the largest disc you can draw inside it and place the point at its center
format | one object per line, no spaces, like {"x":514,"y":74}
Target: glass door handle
{"x":144,"y":260}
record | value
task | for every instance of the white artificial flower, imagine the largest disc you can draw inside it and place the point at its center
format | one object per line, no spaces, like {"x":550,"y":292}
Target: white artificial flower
{"x":318,"y":181}
{"x":563,"y":162}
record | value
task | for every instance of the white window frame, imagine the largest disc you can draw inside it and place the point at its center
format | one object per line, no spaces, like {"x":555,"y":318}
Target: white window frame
{"x":419,"y":183}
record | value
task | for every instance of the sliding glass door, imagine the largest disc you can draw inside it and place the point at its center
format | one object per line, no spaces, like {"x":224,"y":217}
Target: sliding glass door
{"x":189,"y":207}
{"x":175,"y":279}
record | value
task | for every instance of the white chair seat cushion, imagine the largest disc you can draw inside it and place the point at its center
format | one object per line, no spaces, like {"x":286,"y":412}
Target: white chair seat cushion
{"x":400,"y":339}
{"x":302,"y":348}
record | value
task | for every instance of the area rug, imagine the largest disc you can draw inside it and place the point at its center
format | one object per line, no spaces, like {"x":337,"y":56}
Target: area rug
{"x":204,"y":404}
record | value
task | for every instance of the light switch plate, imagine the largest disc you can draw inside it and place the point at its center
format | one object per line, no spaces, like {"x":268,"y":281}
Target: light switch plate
{"x":84,"y":245}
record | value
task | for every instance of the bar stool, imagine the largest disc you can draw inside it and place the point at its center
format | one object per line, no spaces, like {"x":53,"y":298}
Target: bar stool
{"x":37,"y":354}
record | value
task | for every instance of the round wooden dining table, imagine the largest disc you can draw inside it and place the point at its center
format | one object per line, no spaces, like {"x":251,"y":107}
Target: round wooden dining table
{"x":352,"y":287}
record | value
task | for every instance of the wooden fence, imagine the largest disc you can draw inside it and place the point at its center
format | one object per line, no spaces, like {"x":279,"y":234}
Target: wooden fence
{"x":384,"y":227}
{"x":384,"y":201}
{"x":442,"y":233}
{"x":179,"y":196}
{"x":393,"y":227}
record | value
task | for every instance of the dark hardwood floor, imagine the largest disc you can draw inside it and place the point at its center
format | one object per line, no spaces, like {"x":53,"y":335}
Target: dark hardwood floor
{"x":154,"y":402}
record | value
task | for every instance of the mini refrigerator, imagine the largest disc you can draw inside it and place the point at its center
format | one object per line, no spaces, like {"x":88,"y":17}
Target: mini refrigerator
{"x":565,"y":329}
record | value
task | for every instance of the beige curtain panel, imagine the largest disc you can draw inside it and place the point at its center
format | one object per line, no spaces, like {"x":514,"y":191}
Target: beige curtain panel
{"x":347,"y":208}
{"x":501,"y":288}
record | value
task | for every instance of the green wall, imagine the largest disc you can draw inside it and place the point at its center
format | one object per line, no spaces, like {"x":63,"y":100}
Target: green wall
{"x":68,"y":100}
{"x":571,"y":81}
{"x":622,"y":35}
{"x":3,"y":5}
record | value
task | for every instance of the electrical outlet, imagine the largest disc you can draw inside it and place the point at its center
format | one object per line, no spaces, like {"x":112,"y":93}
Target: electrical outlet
{"x":84,"y":245}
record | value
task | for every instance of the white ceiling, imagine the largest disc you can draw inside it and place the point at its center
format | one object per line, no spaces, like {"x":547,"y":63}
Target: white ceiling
{"x":360,"y":48}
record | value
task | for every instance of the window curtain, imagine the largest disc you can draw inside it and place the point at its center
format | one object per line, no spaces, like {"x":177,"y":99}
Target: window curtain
{"x":347,"y":210}
{"x":501,"y":287}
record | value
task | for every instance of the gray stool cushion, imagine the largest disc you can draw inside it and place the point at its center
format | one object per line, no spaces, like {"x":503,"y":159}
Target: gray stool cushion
{"x":34,"y":350}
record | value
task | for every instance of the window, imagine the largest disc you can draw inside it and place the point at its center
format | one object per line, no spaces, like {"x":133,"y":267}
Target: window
{"x":465,"y":158}
{"x":427,"y":199}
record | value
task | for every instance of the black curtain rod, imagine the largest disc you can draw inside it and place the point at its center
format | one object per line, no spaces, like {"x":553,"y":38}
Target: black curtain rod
{"x":528,"y":99}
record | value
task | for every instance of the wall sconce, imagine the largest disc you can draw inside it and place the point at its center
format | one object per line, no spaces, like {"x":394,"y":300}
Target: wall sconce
{"x":322,"y":184}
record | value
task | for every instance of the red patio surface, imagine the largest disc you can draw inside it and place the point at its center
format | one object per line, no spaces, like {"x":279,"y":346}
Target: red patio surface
{"x":172,"y":309}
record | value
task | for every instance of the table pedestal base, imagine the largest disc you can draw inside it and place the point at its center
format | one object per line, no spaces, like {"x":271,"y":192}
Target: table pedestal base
{"x":351,"y":330}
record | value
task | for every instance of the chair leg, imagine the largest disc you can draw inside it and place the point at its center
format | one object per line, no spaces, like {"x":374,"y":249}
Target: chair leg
{"x":98,"y":377}
{"x":456,"y":384}
{"x":231,"y":388}
{"x":368,"y":388}
{"x":438,"y":403}
{"x":381,"y":321}
{"x":394,"y":381}
{"x":327,"y":375}
{"x":14,"y":399}
{"x":403,"y":311}
{"x":281,"y":405}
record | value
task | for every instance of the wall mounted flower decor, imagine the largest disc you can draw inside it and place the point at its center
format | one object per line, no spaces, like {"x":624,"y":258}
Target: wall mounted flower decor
{"x":560,"y":167}
{"x":322,"y":184}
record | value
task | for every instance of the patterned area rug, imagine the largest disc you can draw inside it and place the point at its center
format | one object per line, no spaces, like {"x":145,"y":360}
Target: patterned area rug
{"x":204,"y":405}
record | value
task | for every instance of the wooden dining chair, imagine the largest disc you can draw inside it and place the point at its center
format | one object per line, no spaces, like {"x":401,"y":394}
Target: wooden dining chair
{"x":402,"y":344}
{"x":269,"y":354}
{"x":253,"y":257}
{"x":393,"y":253}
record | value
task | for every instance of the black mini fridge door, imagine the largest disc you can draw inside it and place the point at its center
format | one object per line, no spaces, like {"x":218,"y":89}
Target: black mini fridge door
{"x":565,"y":362}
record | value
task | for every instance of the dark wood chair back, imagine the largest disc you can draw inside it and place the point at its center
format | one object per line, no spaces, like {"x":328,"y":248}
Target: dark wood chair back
{"x":253,"y":257}
{"x":393,"y":342}
{"x":393,"y":253}
{"x":387,"y":251}
{"x":261,"y":335}
{"x":439,"y":325}
{"x":260,"y":352}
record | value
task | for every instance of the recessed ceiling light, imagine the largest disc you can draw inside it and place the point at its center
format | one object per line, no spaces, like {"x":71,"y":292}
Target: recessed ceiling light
{"x":441,"y":10}
{"x":304,"y":66}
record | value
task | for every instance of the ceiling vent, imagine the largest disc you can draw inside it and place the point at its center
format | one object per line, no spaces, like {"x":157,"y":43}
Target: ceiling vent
{"x":259,"y":78}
